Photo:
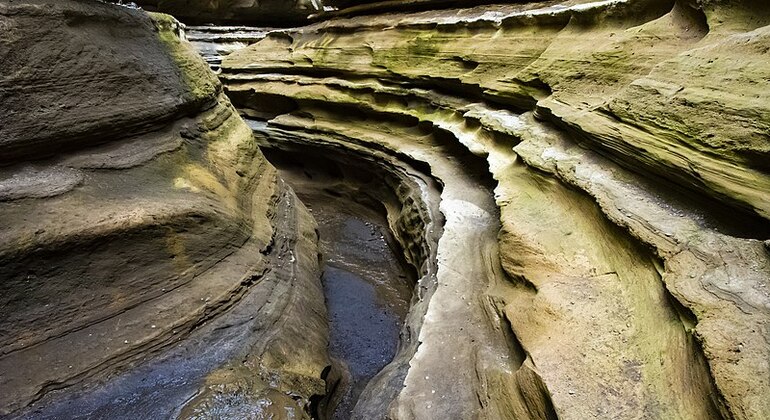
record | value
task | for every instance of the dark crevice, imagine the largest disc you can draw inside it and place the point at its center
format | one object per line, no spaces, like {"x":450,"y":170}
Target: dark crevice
{"x":350,"y":202}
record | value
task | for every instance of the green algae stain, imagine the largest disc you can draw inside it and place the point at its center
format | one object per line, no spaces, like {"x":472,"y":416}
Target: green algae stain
{"x":422,"y":47}
{"x":201,"y":83}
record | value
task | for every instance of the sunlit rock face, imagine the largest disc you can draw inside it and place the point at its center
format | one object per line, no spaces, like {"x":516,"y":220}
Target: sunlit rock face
{"x":627,"y":142}
{"x":136,"y":207}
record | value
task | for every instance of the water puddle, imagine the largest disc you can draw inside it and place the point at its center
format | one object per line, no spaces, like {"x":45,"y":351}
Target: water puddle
{"x":367,"y":284}
{"x":367,"y":294}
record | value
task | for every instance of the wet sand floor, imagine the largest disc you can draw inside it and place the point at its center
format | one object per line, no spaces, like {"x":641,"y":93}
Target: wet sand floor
{"x":367,"y":284}
{"x":367,"y":290}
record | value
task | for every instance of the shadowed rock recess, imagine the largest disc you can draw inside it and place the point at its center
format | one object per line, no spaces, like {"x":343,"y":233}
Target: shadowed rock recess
{"x":576,"y":193}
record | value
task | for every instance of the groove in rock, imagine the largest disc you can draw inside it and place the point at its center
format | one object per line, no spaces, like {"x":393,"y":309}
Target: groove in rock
{"x":367,"y":282}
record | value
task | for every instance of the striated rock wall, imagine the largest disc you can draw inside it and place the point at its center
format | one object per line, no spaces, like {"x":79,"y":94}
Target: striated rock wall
{"x":278,"y":13}
{"x":580,"y":185}
{"x":627,"y":142}
{"x":135,"y":208}
{"x":586,"y":68}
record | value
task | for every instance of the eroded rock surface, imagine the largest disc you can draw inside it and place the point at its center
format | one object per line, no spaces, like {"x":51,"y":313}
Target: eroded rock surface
{"x":580,"y":186}
{"x":627,"y":142}
{"x":136,"y":208}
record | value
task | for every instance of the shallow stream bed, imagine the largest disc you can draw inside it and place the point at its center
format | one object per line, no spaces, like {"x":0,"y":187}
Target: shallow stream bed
{"x":367,"y":284}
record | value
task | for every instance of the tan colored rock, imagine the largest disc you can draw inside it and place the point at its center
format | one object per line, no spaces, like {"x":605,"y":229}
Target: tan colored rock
{"x":136,"y":207}
{"x":587,"y":68}
{"x":583,"y":189}
{"x":626,"y":298}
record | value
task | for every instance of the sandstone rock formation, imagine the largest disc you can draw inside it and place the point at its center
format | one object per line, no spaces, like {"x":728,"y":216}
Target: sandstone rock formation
{"x":581,"y":187}
{"x":617,"y":133}
{"x":136,"y":208}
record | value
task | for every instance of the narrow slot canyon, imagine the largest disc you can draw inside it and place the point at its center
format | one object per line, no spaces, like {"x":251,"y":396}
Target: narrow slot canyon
{"x":366,"y":279}
{"x":364,"y":210}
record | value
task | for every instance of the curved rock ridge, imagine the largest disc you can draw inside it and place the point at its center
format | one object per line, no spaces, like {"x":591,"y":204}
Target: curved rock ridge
{"x":633,"y":84}
{"x":627,"y":140}
{"x":285,"y":13}
{"x":139,"y":215}
{"x":581,"y":187}
{"x":279,"y":13}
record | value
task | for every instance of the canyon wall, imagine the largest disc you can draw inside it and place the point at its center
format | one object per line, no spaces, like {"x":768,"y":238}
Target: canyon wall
{"x":627,"y":142}
{"x":264,"y":12}
{"x":581,"y":188}
{"x":136,"y":209}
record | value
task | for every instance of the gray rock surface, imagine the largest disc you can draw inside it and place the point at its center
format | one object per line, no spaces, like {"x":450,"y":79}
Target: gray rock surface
{"x":136,"y":208}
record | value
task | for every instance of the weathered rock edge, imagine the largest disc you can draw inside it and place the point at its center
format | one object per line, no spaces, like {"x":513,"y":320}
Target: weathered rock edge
{"x":666,"y":316}
{"x":137,"y":207}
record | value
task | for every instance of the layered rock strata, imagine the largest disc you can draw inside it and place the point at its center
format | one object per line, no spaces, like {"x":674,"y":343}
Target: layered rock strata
{"x":627,"y":142}
{"x":580,"y":186}
{"x":215,"y":42}
{"x":280,"y":13}
{"x":138,"y":212}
